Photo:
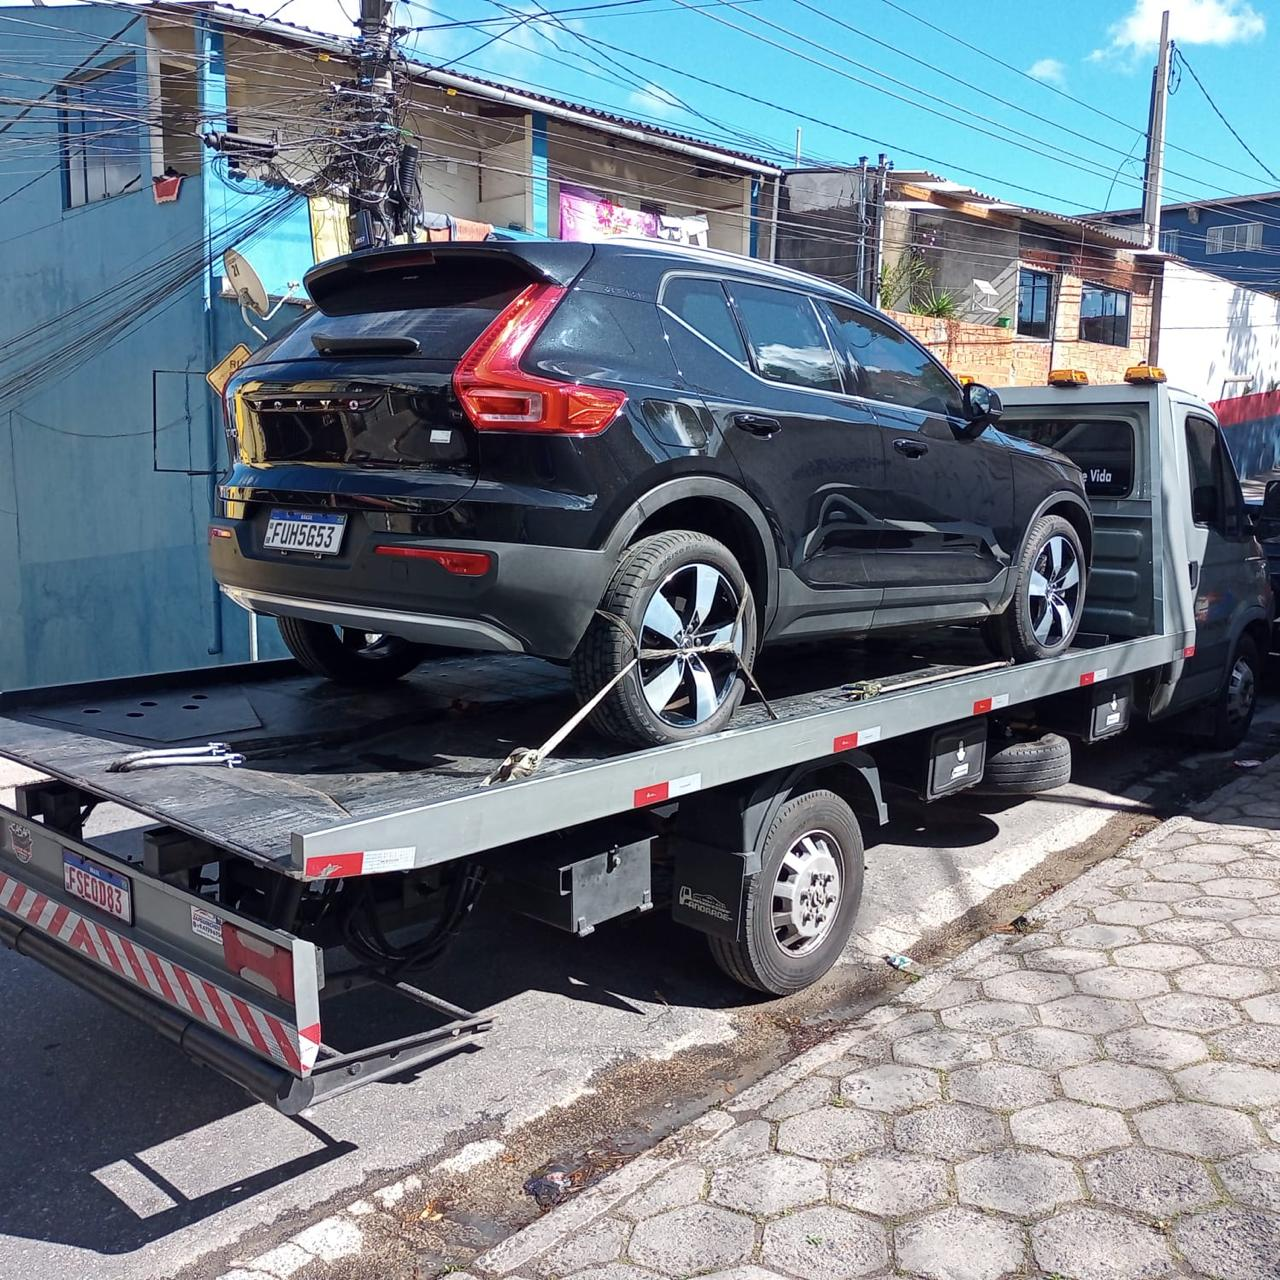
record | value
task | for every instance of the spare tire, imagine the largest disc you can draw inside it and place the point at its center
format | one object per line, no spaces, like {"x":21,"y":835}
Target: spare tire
{"x":1025,"y":766}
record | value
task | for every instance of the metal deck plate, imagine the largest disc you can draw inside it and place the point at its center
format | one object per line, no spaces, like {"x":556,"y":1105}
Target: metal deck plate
{"x":160,"y":716}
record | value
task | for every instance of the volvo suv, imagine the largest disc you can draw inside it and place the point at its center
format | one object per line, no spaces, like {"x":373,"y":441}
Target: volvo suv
{"x":639,"y":459}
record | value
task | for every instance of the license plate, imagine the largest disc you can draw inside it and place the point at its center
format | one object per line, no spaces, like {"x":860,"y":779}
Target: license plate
{"x":97,"y":885}
{"x":318,"y":532}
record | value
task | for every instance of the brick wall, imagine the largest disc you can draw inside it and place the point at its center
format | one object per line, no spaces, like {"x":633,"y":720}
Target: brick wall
{"x":1001,"y":358}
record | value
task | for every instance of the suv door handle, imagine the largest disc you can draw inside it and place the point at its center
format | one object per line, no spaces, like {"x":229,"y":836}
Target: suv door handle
{"x":911,"y":448}
{"x":757,"y":424}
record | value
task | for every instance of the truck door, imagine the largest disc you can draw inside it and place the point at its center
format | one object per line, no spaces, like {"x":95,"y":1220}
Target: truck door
{"x":1226,"y":564}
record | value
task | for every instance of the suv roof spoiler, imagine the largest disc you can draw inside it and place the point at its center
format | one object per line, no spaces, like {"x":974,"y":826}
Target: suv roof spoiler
{"x":550,"y":262}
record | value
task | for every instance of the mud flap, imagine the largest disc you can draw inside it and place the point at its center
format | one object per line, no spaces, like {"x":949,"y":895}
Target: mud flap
{"x":709,"y":891}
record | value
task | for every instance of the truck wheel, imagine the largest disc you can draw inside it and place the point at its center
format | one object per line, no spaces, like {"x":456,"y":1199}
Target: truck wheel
{"x":349,"y":657}
{"x":801,"y":906}
{"x":1026,"y":766}
{"x":672,"y":590}
{"x":1048,"y":595}
{"x":1238,"y":697}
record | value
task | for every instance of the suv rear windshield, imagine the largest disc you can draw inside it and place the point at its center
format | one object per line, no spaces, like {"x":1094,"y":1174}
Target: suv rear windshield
{"x":1101,"y":447}
{"x":444,"y":307}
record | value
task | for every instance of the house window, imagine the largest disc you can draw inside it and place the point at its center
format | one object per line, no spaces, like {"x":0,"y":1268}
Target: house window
{"x":1104,"y":315}
{"x":1035,"y":303}
{"x":1168,"y":242}
{"x":1235,"y":237}
{"x":101,"y":135}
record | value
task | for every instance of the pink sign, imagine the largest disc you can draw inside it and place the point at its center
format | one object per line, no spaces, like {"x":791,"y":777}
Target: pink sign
{"x":586,"y":217}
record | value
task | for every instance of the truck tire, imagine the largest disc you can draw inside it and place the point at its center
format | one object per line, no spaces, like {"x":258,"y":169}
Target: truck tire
{"x":813,"y":847}
{"x":349,"y":657}
{"x":1048,"y":595}
{"x":670,"y":589}
{"x":1026,"y":766}
{"x":1238,"y":697}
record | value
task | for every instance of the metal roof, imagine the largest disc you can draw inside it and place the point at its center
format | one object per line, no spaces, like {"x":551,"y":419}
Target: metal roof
{"x":1209,"y":202}
{"x":245,"y":20}
{"x":1097,"y":233}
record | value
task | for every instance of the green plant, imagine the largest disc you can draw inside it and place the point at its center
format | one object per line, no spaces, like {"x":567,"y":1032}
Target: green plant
{"x":901,"y":280}
{"x":942,"y":304}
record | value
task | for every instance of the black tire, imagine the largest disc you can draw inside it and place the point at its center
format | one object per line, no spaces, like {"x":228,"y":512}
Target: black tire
{"x":759,"y":960}
{"x":649,"y":566}
{"x":1027,"y":766}
{"x":346,"y":656}
{"x":1014,"y":633}
{"x":1238,"y":697}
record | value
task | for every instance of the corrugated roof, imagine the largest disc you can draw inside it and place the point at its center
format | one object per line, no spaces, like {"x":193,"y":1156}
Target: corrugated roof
{"x":1098,"y":233}
{"x":1209,"y":202}
{"x":244,"y":19}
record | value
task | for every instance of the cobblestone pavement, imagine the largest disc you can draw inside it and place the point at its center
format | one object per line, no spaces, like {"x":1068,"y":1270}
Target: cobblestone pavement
{"x":1096,"y":1100}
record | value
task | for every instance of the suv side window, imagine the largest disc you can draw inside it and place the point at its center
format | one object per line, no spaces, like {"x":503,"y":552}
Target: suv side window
{"x":787,"y":340}
{"x":883,"y":363}
{"x":1216,"y":500}
{"x":702,"y":305}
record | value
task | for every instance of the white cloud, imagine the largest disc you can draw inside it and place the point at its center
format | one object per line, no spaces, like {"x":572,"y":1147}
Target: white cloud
{"x":1050,"y":70}
{"x":654,"y":100}
{"x":1190,"y":22}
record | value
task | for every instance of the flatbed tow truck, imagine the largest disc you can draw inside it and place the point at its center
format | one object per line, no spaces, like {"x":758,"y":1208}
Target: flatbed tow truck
{"x":352,"y":840}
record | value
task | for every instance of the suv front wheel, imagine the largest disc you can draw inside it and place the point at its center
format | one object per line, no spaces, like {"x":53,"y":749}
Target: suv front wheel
{"x":1048,"y":595}
{"x":685,"y":600}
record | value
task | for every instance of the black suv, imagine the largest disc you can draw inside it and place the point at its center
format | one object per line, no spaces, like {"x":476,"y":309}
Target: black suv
{"x":642,"y":459}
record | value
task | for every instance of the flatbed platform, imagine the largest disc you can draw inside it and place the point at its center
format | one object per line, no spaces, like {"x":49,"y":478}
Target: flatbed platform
{"x":401,"y":770}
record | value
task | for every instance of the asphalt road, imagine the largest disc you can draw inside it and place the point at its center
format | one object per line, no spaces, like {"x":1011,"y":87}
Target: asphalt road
{"x":122,"y":1159}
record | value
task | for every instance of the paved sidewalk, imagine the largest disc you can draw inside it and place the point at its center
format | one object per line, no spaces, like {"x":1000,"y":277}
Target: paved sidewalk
{"x":1096,"y":1100}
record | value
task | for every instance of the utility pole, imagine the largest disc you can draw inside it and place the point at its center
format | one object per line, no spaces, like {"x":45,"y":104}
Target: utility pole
{"x":1153,"y":182}
{"x":1153,"y":178}
{"x":375,"y":142}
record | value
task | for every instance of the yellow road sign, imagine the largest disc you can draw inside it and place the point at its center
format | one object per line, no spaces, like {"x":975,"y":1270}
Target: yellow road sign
{"x":220,"y":374}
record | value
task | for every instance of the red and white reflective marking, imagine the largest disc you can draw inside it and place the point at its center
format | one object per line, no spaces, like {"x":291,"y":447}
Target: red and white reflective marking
{"x":294,"y":1048}
{"x":994,"y":703}
{"x":859,"y":738}
{"x":668,"y":790}
{"x":1093,"y":677}
{"x":367,"y":862}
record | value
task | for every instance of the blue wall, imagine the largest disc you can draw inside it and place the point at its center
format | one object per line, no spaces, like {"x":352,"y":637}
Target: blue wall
{"x":1255,"y":269}
{"x":103,"y":567}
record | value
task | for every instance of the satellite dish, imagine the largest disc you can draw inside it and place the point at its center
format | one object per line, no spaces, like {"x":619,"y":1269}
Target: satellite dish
{"x":250,"y":292}
{"x":244,"y":280}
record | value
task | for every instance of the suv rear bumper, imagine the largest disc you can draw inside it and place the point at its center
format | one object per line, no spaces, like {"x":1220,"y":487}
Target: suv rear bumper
{"x":534,"y":599}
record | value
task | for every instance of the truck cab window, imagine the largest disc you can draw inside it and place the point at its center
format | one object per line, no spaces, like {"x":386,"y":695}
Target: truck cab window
{"x":1216,"y":500}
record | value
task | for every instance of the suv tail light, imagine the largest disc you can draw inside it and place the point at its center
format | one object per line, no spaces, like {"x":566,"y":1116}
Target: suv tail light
{"x":497,"y":395}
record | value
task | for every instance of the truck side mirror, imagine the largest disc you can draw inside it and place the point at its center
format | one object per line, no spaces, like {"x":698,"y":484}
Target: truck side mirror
{"x":1271,"y":500}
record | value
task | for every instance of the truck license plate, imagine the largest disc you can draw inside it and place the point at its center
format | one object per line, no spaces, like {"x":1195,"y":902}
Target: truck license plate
{"x":97,"y":885}
{"x":318,"y":532}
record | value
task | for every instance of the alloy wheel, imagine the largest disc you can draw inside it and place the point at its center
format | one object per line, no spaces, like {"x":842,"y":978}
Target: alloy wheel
{"x":694,"y":606}
{"x":1054,"y":591}
{"x":806,"y":893}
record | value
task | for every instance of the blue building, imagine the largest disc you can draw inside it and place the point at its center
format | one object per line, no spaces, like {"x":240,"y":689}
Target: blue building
{"x":113,"y":222}
{"x":1236,"y":237}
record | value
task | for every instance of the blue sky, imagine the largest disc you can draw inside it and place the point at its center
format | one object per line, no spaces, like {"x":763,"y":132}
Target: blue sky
{"x":751,"y":71}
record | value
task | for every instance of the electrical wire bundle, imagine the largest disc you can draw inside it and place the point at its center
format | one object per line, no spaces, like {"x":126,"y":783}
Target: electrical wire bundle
{"x":366,"y":939}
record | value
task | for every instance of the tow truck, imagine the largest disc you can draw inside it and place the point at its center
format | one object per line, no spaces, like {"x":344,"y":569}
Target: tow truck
{"x":350,"y":841}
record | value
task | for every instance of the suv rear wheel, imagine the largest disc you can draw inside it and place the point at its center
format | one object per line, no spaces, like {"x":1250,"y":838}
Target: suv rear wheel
{"x":677,"y":593}
{"x":347,"y":656}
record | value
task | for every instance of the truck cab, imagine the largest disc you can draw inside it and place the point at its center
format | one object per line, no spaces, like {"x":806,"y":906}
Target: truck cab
{"x":1154,"y":455}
